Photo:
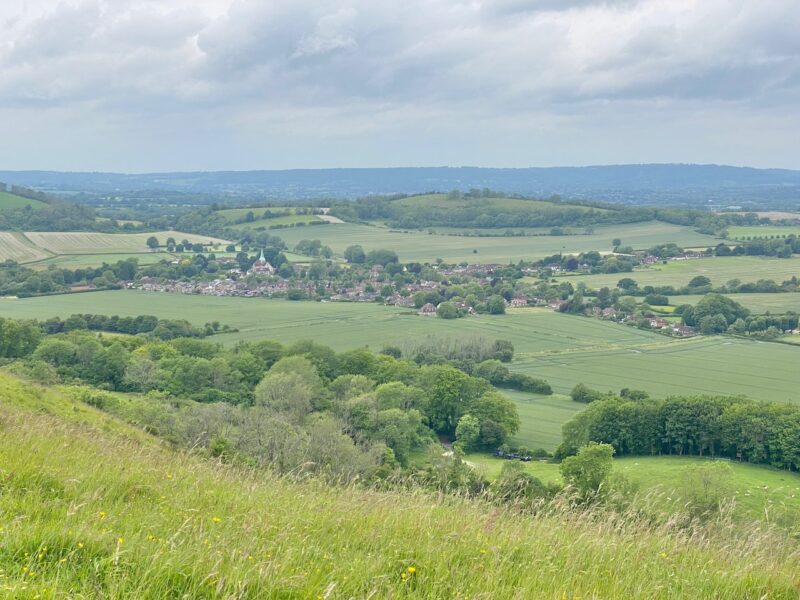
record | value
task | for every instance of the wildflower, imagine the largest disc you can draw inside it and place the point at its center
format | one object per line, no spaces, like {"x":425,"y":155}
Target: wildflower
{"x":102,"y":514}
{"x":80,"y":545}
{"x":216,"y":519}
{"x":120,"y":540}
{"x":483,"y":551}
{"x":663,"y":555}
{"x":412,"y":569}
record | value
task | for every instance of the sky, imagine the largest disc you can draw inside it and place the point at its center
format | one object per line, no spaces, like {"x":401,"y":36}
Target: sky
{"x":165,"y":85}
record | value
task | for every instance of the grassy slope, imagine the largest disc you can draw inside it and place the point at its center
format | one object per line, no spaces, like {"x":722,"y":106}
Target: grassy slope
{"x":86,"y":511}
{"x":762,"y":231}
{"x":8,"y":201}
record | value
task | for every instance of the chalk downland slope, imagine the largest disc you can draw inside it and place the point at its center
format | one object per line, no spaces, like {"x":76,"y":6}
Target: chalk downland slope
{"x":90,"y":507}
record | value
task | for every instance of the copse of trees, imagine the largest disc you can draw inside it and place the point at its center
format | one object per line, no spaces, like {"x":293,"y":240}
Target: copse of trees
{"x":370,"y":397}
{"x":735,"y":428}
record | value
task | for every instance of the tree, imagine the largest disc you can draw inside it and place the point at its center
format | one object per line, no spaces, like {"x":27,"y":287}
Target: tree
{"x":616,"y":243}
{"x":355,"y":255}
{"x":589,"y":469}
{"x":496,"y":305}
{"x":447,"y":310}
{"x":583,"y":393}
{"x":514,"y":484}
{"x":699,"y":281}
{"x":152,"y":242}
{"x":468,"y":432}
{"x":497,"y":416}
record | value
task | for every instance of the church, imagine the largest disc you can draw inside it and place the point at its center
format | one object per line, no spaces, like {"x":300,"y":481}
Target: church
{"x":261,"y":266}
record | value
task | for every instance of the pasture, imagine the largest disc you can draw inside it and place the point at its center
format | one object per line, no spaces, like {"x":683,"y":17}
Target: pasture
{"x":719,"y":270}
{"x":426,"y":247}
{"x":11,"y":201}
{"x":562,"y":349}
{"x":738,"y":232}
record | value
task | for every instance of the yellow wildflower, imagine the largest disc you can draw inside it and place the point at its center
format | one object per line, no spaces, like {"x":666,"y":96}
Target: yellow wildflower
{"x":412,"y":569}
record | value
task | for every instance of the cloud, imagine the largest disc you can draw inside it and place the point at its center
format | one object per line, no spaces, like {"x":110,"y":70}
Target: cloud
{"x":350,"y":68}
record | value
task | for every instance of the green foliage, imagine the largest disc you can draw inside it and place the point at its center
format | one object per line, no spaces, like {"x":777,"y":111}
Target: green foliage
{"x":584,"y":394}
{"x":589,"y":469}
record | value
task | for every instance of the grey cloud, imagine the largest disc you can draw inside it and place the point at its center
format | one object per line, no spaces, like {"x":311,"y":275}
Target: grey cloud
{"x":366,"y":67}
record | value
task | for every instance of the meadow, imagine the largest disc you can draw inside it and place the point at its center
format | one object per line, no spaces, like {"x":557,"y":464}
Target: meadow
{"x":10,"y":201}
{"x":719,"y":269}
{"x":563,"y":349}
{"x":426,"y":247}
{"x":99,"y":509}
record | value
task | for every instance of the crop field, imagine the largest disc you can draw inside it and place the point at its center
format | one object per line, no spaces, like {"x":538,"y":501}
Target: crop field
{"x":762,"y":231}
{"x":426,"y":247}
{"x":9,"y":201}
{"x":79,"y":261}
{"x":70,"y":242}
{"x":757,"y":303}
{"x":232,"y":214}
{"x":16,"y":247}
{"x":541,"y":418}
{"x":442,"y":201}
{"x":714,"y":365}
{"x":562,"y":349}
{"x":719,"y":270}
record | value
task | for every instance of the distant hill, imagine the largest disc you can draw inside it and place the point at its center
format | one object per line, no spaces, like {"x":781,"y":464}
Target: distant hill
{"x":674,"y":184}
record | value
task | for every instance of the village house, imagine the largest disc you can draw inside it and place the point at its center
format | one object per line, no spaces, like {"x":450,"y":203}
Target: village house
{"x":427,"y":310}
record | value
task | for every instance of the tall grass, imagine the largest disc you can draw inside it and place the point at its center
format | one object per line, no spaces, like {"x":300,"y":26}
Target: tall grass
{"x":92,"y":509}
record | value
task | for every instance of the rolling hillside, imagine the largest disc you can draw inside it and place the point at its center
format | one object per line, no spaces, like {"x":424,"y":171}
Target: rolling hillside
{"x":90,"y":507}
{"x":10,"y":201}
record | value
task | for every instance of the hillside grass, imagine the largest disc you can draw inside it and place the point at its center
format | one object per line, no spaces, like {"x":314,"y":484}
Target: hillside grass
{"x":11,"y":201}
{"x":15,"y":246}
{"x":83,"y":242}
{"x":88,"y":510}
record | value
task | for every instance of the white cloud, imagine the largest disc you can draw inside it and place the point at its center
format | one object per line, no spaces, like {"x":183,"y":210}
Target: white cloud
{"x":403,"y":75}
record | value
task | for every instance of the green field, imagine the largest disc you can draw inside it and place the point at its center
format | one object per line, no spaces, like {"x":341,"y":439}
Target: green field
{"x":79,"y":261}
{"x":541,"y":418}
{"x":757,"y":303}
{"x":439,"y":201}
{"x":9,"y":201}
{"x":738,"y":232}
{"x":563,"y":349}
{"x":426,"y":247}
{"x":757,"y":490}
{"x":232,"y":214}
{"x":720,"y":270}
